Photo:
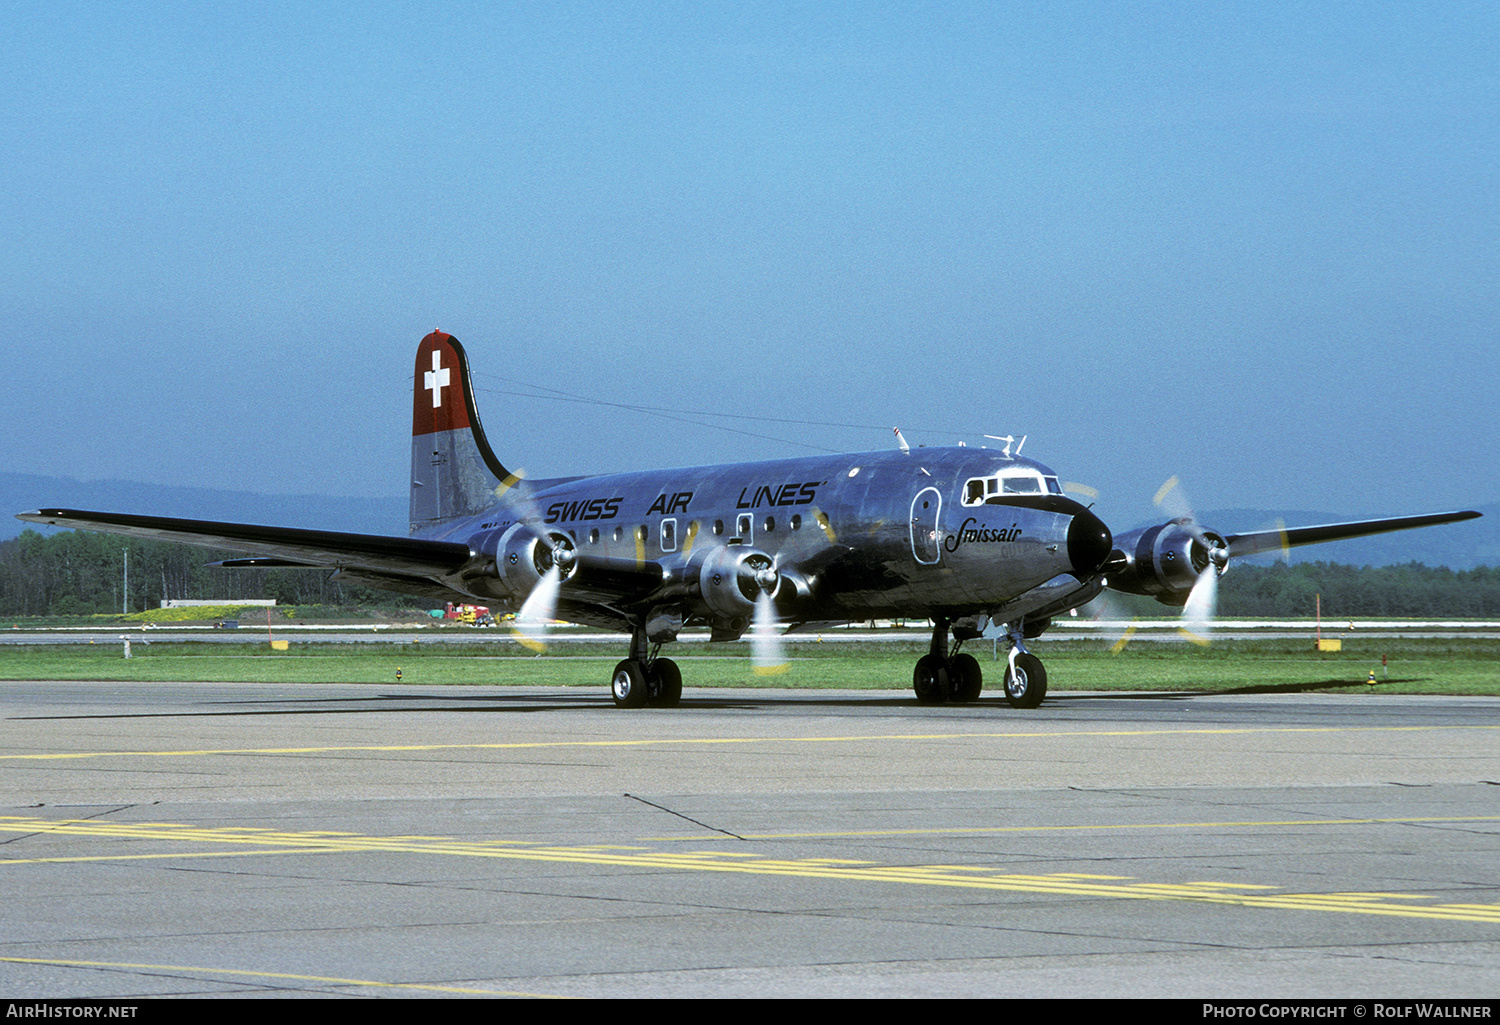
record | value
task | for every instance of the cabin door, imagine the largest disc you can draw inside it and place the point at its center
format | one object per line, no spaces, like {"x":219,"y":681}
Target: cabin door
{"x":925,"y":538}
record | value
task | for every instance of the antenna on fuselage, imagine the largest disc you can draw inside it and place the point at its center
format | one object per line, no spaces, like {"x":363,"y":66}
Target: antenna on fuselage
{"x":900,"y":441}
{"x":1009,"y":441}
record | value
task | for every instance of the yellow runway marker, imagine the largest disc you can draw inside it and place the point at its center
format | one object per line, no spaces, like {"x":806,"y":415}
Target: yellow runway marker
{"x":956,"y":876}
{"x":242,"y":973}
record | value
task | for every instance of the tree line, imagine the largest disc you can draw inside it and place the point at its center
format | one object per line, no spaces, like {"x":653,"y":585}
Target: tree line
{"x":82,"y":572}
{"x":1407,"y":591}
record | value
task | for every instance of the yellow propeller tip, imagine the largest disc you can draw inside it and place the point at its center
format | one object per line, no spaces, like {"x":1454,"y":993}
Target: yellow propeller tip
{"x":1202,"y":642}
{"x":529,"y":642}
{"x":1119,"y":645}
{"x":1166,"y":489}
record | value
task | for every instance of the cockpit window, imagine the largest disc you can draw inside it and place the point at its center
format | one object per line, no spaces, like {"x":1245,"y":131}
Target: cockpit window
{"x":979,"y":490}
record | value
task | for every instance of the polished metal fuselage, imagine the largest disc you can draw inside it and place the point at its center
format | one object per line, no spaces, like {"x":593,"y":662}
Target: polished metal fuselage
{"x":865,"y":535}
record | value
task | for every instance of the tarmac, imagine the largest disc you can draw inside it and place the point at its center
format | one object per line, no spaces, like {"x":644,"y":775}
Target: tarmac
{"x":213,"y":840}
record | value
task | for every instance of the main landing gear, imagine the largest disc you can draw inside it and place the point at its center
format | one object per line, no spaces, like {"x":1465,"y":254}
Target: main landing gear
{"x":944,"y":675}
{"x":644,"y":679}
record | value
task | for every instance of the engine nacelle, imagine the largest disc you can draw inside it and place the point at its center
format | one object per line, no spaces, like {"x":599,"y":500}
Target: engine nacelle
{"x":513,"y":561}
{"x":1162,"y":561}
{"x":732,"y":578}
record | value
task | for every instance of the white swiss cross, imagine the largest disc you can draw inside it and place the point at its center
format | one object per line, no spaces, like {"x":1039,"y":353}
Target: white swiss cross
{"x":436,"y":379}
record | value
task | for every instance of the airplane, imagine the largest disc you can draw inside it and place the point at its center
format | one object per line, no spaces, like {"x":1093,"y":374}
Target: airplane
{"x":974,"y":539}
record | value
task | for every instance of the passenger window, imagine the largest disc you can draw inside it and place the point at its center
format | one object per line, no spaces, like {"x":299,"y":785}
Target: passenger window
{"x":669,"y":535}
{"x":744,"y":526}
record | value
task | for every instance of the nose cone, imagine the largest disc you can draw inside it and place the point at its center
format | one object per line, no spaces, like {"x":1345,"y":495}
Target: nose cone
{"x":1089,"y":543}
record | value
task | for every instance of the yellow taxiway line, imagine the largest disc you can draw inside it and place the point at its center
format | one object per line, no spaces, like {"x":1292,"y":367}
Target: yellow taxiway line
{"x":980,"y":877}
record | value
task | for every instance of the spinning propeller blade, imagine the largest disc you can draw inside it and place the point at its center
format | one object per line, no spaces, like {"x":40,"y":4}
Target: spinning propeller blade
{"x":1202,"y":604}
{"x":538,"y":611}
{"x":1203,"y":600}
{"x":1107,"y":610}
{"x":767,"y":653}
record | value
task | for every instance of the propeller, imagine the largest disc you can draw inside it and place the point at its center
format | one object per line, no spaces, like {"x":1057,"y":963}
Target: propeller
{"x":767,"y":653}
{"x":1203,"y":600}
{"x":539,"y":611}
{"x":552,"y":557}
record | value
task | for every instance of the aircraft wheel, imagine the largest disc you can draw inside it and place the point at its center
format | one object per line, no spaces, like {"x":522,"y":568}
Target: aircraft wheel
{"x":930,"y":680}
{"x":1026,"y":687}
{"x":629,"y":685}
{"x":965,"y":678}
{"x":666,"y":683}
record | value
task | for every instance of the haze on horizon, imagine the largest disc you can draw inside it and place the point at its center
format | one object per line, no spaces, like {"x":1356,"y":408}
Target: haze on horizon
{"x":1253,"y":246}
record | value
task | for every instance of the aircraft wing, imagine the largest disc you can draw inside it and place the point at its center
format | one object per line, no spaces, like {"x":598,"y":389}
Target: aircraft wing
{"x":367,"y":554}
{"x":1275,"y":540}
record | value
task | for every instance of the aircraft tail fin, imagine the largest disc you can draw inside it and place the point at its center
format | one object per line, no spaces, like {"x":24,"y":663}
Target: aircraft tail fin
{"x":454,"y":472}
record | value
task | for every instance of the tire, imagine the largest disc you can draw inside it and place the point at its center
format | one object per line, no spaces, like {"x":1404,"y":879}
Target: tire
{"x":930,"y":680}
{"x":1027,"y":686}
{"x":965,"y":678}
{"x":665,"y":684}
{"x":628,"y":686}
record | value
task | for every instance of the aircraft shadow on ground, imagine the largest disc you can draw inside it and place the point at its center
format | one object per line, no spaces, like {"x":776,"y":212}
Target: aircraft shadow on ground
{"x":388,"y":704}
{"x":1276,"y":688}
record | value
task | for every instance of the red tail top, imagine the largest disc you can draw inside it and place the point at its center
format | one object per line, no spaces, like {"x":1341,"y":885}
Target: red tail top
{"x":440,"y":393}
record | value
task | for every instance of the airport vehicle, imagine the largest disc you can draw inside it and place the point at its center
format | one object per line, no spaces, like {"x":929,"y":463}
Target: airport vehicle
{"x":972,"y":538}
{"x":469,"y":615}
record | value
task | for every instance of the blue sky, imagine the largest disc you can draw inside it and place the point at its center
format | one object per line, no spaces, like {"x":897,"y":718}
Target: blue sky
{"x":1253,"y":245}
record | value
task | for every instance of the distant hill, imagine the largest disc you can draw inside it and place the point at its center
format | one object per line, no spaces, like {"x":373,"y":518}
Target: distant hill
{"x":21,"y":492}
{"x":1457,"y":546}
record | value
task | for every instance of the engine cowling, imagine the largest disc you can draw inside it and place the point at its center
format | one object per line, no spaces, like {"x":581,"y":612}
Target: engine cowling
{"x":732,"y":578}
{"x":512,"y":562}
{"x":1162,"y":561}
